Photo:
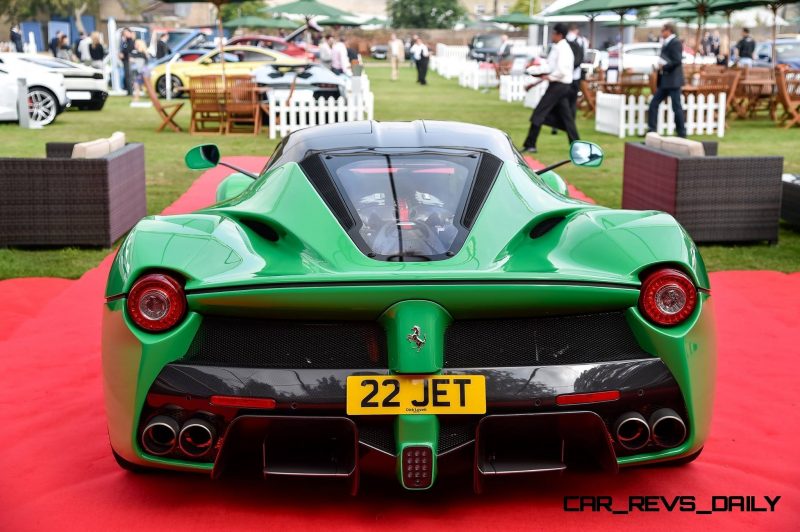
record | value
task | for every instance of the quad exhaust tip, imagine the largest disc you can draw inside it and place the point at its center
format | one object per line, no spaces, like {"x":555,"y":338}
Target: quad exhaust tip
{"x":160,"y":435}
{"x":197,"y":437}
{"x":667,"y":427}
{"x":632,"y":431}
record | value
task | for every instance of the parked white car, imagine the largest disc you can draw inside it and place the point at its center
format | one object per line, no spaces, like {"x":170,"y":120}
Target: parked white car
{"x":47,"y":95}
{"x":642,"y":57}
{"x":86,"y":86}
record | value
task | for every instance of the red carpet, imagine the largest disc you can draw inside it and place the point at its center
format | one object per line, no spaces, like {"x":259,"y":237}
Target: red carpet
{"x":57,"y":471}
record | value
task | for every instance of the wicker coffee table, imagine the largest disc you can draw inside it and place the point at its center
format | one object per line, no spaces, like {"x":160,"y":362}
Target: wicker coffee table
{"x":790,"y":203}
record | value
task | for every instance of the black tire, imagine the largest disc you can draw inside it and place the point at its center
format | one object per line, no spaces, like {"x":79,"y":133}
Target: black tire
{"x":128,"y":466}
{"x":43,"y":107}
{"x":161,"y":86}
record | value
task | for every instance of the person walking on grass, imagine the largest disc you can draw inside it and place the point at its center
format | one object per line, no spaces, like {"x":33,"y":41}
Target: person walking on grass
{"x":125,"y":48}
{"x":670,"y":80}
{"x":554,"y":107}
{"x":138,"y":63}
{"x":421,"y":55}
{"x":396,"y":55}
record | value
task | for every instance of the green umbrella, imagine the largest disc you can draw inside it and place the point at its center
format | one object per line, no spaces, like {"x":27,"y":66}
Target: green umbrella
{"x":374,"y":21}
{"x":259,"y":22}
{"x":626,"y":23}
{"x":308,"y":8}
{"x":729,"y":6}
{"x":337,"y":21}
{"x":620,"y":7}
{"x":518,"y":19}
{"x":705,"y":7}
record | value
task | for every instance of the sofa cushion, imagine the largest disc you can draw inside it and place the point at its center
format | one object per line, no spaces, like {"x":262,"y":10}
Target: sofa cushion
{"x":116,"y":141}
{"x":93,"y":149}
{"x":682,"y":147}
{"x":653,"y":140}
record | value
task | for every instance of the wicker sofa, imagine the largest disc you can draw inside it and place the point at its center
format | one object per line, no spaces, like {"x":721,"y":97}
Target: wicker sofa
{"x":67,"y":201}
{"x":790,"y":203}
{"x":716,"y":199}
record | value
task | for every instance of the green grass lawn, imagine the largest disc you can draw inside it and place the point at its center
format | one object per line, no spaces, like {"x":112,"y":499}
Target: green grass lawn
{"x":167,"y":177}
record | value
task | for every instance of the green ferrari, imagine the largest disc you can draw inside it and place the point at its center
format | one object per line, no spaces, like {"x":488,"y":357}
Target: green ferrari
{"x":413,"y":294}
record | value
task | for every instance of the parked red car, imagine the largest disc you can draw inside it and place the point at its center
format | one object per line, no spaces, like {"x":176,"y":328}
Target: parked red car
{"x":278,"y":44}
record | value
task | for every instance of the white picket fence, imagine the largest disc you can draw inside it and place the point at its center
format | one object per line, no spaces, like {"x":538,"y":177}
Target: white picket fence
{"x":512,"y":89}
{"x":449,"y":61}
{"x":474,"y":76}
{"x":303,"y":111}
{"x":623,"y":115}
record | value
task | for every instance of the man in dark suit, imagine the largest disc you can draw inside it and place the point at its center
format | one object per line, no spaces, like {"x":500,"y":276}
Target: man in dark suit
{"x":670,"y":80}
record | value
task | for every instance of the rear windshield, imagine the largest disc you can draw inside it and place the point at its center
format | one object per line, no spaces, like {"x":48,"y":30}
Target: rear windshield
{"x":408,"y":206}
{"x":486,"y":41}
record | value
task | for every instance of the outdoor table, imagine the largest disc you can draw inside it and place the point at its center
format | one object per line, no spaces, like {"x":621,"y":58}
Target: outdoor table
{"x":751,"y":92}
{"x":263,"y":104}
{"x":634,"y":88}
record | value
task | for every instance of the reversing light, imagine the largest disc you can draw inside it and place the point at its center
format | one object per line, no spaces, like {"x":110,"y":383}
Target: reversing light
{"x":156,"y":302}
{"x":668,"y":297}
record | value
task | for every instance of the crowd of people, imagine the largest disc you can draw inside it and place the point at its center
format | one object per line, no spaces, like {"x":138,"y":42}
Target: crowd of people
{"x":87,"y":49}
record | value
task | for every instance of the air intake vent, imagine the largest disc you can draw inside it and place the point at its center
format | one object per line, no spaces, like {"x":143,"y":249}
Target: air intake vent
{"x":487,"y":173}
{"x":544,"y":227}
{"x":288,"y":344}
{"x":547,"y":341}
{"x":318,"y":175}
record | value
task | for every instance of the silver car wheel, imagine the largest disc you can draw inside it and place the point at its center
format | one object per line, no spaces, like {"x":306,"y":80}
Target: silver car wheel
{"x":42,"y":106}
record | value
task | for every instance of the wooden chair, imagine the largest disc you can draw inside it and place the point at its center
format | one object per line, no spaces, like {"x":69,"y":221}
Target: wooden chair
{"x":713,"y":69}
{"x":207,"y":98}
{"x":588,"y":101}
{"x":242,"y":105}
{"x":167,"y":111}
{"x":789,"y":95}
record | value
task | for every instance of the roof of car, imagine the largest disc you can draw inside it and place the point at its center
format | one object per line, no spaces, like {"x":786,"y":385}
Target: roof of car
{"x":373,"y":134}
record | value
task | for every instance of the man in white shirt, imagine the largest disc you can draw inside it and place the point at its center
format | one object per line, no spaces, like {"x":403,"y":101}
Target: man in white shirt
{"x":554,"y":107}
{"x":340,"y":62}
{"x":397,"y":53}
{"x":326,"y":51}
{"x":419,"y":51}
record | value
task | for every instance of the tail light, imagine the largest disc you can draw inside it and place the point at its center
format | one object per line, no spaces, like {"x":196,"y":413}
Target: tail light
{"x":156,"y":302}
{"x":667,"y":297}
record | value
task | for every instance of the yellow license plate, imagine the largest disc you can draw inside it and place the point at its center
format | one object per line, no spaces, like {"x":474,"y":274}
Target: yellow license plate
{"x":418,"y":394}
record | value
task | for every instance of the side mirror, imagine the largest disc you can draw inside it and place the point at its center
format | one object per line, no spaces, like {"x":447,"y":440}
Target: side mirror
{"x":587,"y":154}
{"x":202,"y":157}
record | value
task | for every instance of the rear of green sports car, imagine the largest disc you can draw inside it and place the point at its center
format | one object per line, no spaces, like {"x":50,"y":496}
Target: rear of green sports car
{"x":412,"y":291}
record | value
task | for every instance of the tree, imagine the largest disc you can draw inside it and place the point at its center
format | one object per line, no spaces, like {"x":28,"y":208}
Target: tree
{"x":251,"y":8}
{"x":524,"y":7}
{"x":18,"y":10}
{"x":440,"y":14}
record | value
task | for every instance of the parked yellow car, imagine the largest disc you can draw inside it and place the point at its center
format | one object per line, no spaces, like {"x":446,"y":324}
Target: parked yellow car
{"x":239,"y":60}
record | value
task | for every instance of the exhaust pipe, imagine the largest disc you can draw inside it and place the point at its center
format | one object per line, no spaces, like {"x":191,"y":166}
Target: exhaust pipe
{"x":667,"y":427}
{"x":197,"y":437}
{"x":632,"y":431}
{"x":160,"y":435}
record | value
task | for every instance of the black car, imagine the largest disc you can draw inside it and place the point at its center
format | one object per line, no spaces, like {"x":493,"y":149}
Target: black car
{"x":484,"y":47}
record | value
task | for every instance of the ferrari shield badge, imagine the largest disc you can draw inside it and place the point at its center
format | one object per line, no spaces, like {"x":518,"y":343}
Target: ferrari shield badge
{"x":416,"y":337}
